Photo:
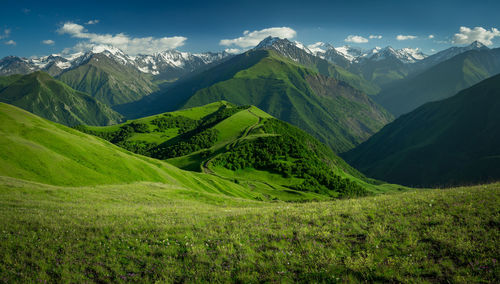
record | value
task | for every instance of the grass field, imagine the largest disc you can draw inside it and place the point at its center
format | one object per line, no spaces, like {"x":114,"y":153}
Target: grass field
{"x":75,"y":208}
{"x":148,"y":232}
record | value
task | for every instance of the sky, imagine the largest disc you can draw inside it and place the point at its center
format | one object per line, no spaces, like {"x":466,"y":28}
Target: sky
{"x":36,"y":28}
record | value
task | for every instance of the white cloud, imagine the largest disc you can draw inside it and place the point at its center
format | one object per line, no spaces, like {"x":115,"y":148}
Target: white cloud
{"x":375,"y":37}
{"x":467,"y":35}
{"x":233,"y":50}
{"x":250,"y":39}
{"x":92,"y":22}
{"x":10,"y":42}
{"x":130,"y":45}
{"x":356,"y":39}
{"x":431,"y":36}
{"x":405,"y":37}
{"x":6,"y":34}
{"x":48,"y":42}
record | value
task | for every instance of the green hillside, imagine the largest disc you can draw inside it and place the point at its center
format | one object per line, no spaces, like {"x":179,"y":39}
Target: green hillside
{"x":244,"y":144}
{"x":440,"y":81}
{"x":44,"y":96}
{"x":450,"y":142}
{"x":109,"y":81}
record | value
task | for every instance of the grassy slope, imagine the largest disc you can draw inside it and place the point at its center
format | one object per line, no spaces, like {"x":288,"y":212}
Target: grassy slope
{"x":41,"y":94}
{"x":153,"y":232}
{"x":336,"y":114}
{"x":453,"y":141}
{"x":108,"y":81}
{"x":441,"y":81}
{"x":37,"y":150}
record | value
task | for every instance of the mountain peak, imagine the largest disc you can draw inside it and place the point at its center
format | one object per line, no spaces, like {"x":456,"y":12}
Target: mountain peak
{"x":106,"y":48}
{"x":268,"y":42}
{"x":477,"y":45}
{"x":320,"y":47}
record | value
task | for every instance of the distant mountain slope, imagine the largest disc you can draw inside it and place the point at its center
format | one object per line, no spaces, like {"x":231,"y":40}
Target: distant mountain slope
{"x":241,"y":142}
{"x":330,"y":110}
{"x":43,"y":95}
{"x":449,"y":142}
{"x":108,"y":80}
{"x":446,"y":54}
{"x":440,"y":81}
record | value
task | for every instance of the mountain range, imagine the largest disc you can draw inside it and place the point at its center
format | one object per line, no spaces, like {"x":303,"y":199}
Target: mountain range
{"x":444,"y":143}
{"x":330,"y":108}
{"x":110,"y":75}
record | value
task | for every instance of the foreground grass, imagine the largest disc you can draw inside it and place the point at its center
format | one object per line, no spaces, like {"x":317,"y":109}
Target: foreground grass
{"x":151,"y":232}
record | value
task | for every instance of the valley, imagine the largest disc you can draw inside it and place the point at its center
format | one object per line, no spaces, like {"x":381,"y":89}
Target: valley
{"x":129,"y":153}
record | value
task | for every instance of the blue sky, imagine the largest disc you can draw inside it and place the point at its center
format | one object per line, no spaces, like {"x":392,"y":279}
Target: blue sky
{"x":43,"y":27}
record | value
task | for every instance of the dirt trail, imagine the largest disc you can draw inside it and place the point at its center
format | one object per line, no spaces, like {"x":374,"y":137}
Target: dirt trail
{"x":205,"y":166}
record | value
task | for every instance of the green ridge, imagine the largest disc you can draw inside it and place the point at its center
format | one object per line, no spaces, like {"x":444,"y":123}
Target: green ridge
{"x":244,"y":144}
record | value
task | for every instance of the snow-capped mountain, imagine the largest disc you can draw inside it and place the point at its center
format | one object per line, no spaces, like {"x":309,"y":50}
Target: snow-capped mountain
{"x":293,"y":50}
{"x":356,"y":55}
{"x":320,"y":48}
{"x":54,"y":64}
{"x":351,"y":53}
{"x":15,"y":65}
{"x":449,"y":53}
{"x":405,"y":55}
{"x":176,"y":63}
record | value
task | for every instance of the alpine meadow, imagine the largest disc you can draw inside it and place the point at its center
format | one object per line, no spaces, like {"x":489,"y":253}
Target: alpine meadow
{"x":249,"y":142}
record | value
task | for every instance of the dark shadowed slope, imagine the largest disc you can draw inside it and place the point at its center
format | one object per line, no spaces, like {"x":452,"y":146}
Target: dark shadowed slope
{"x":450,"y":142}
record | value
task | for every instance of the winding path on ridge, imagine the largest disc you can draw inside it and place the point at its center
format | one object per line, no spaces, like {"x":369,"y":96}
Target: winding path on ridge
{"x":205,"y":166}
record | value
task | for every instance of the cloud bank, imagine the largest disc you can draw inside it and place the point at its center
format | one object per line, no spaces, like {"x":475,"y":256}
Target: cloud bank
{"x":405,"y":37}
{"x":251,"y":39}
{"x":356,"y":39}
{"x":130,"y":45}
{"x":467,"y":35}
